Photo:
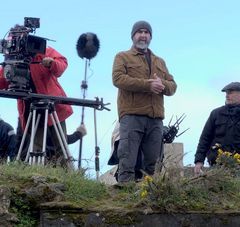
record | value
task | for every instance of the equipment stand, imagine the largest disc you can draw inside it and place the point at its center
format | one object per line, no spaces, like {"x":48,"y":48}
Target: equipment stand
{"x":97,"y":149}
{"x":46,"y":107}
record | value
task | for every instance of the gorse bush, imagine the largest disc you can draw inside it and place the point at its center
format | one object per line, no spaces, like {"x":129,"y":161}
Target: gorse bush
{"x":217,"y":189}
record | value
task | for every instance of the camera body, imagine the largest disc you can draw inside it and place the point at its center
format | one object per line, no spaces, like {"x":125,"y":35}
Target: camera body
{"x":19,"y":43}
{"x":18,"y":50}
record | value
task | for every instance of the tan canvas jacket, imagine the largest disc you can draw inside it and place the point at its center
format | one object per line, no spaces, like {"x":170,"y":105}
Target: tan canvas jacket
{"x":130,"y":75}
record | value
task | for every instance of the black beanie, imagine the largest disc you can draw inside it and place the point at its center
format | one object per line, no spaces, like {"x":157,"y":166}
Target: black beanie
{"x":139,"y":25}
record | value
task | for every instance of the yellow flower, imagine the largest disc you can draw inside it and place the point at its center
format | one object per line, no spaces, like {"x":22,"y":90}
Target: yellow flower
{"x":148,"y":179}
{"x":236,"y":156}
{"x":144,"y":194}
{"x":220,"y":151}
{"x":226,"y":153}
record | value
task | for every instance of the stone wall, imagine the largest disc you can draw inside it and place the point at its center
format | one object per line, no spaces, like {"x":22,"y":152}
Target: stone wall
{"x":138,"y":219}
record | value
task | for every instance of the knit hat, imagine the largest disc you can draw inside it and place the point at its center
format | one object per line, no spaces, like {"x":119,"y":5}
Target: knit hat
{"x":140,"y":25}
{"x":234,"y":86}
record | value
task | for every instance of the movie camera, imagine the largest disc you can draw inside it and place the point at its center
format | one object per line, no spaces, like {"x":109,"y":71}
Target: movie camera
{"x":18,"y":48}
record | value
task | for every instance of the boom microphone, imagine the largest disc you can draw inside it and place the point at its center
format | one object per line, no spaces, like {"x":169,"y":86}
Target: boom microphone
{"x":87,"y":45}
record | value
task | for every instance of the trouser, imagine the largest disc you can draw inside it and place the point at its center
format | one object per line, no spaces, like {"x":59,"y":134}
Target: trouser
{"x":138,"y":133}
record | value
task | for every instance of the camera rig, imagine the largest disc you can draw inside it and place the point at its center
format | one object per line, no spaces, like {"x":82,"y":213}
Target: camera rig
{"x":18,"y":49}
{"x":27,"y":96}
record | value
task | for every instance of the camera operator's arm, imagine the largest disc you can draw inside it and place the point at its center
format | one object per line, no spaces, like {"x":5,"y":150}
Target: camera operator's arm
{"x":3,"y":81}
{"x":55,"y":62}
{"x":47,"y":62}
{"x":80,"y":132}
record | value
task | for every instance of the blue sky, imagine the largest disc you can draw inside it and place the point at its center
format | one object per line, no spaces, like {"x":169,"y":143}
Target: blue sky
{"x":199,"y":40}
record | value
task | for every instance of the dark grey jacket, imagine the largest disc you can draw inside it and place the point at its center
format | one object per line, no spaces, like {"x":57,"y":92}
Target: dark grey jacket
{"x":222,"y":127}
{"x":7,"y":140}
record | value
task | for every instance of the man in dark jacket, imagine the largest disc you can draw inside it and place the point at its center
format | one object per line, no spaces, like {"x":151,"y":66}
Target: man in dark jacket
{"x":7,"y":141}
{"x":222,"y":128}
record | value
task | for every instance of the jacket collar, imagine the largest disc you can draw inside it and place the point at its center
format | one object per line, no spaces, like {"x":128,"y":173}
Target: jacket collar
{"x":134,"y":51}
{"x":230,"y":110}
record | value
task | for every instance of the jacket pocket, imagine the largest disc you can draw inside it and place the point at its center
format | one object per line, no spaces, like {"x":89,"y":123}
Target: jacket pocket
{"x":220,"y":127}
{"x":237,"y":132}
{"x":135,"y":70}
{"x":161,"y":71}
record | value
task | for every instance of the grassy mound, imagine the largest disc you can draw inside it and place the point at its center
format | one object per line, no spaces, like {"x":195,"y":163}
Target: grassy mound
{"x":218,"y":189}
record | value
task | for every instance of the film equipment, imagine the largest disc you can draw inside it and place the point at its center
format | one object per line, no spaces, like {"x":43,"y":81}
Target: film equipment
{"x":18,"y":49}
{"x":46,"y":104}
{"x":87,"y":47}
{"x":170,"y":132}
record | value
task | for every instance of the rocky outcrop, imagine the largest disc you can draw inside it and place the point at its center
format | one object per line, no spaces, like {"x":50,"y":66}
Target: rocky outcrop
{"x":40,"y":191}
{"x":6,"y":218}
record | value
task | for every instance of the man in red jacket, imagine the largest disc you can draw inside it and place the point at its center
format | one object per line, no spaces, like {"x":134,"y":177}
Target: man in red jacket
{"x":44,"y":80}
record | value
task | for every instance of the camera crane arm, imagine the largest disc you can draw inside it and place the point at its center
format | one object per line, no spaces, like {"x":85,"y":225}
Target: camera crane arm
{"x":96,"y":104}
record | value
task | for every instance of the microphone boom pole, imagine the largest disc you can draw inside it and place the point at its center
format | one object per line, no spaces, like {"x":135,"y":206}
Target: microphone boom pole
{"x":84,"y":87}
{"x":87,"y":47}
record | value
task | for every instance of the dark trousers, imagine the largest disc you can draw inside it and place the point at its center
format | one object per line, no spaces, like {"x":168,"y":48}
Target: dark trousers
{"x":138,"y":134}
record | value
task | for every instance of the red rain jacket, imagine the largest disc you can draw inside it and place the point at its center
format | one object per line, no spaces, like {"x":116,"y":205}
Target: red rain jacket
{"x":46,"y":82}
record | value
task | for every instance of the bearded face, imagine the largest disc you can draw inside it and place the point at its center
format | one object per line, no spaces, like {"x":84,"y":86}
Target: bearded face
{"x":141,"y":39}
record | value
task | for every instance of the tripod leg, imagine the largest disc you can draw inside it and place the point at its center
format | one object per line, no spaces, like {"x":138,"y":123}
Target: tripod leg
{"x":61,"y":138}
{"x":32,"y":137}
{"x":24,"y":136}
{"x":62,"y":135}
{"x":33,"y":134}
{"x":42,"y":156}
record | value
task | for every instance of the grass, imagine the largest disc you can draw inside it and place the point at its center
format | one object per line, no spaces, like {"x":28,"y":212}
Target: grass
{"x":78,"y":187}
{"x":218,"y":189}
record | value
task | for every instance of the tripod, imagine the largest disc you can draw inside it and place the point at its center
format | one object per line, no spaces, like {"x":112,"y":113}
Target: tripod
{"x":37,"y":108}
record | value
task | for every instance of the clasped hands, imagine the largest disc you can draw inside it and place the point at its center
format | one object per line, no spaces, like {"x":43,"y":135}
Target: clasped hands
{"x":156,"y":84}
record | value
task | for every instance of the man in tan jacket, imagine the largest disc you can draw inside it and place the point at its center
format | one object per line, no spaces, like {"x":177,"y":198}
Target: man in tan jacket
{"x":142,"y":79}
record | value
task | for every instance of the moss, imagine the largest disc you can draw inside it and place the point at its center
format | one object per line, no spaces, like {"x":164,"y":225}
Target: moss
{"x":26,"y":215}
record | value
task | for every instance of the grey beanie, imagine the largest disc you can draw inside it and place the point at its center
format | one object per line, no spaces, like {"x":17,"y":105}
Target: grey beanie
{"x":234,"y":86}
{"x":141,"y":24}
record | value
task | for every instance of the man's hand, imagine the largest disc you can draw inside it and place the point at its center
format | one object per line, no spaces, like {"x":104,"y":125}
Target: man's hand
{"x":198,"y":168}
{"x":82,"y":129}
{"x":47,"y":62}
{"x":156,"y":85}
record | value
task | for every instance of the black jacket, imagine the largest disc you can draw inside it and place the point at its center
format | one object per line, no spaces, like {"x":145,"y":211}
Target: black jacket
{"x":7,"y":140}
{"x":222,"y":127}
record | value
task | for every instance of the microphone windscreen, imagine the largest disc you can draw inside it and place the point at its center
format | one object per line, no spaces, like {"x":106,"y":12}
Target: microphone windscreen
{"x":87,"y":45}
